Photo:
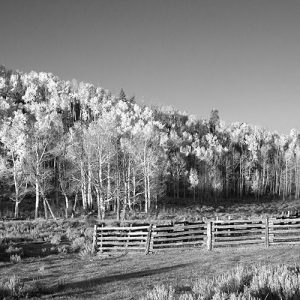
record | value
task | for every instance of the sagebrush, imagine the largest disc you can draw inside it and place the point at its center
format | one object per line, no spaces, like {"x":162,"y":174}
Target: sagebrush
{"x":242,"y":283}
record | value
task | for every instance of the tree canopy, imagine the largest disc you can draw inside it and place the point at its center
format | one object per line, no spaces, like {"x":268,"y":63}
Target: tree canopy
{"x":79,"y":147}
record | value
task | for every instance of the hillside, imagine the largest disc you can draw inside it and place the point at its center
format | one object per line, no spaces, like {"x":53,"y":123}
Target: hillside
{"x":68,"y":148}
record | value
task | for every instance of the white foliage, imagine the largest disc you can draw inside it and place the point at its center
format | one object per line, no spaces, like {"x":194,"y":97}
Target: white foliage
{"x":4,"y":105}
{"x":2,"y":83}
{"x":193,"y":178}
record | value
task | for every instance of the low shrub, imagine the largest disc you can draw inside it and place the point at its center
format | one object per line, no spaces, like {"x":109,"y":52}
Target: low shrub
{"x":63,"y":249}
{"x":186,"y":296}
{"x":12,"y":250}
{"x":232,"y":282}
{"x":160,"y":292}
{"x":41,"y":270}
{"x":44,"y":250}
{"x":88,"y":233}
{"x":87,"y":251}
{"x":56,"y":239}
{"x":280,"y":281}
{"x":242,"y":283}
{"x":34,"y":233}
{"x":78,"y":244}
{"x":15,"y":258}
{"x":12,"y":287}
{"x":36,"y":288}
{"x":71,"y":234}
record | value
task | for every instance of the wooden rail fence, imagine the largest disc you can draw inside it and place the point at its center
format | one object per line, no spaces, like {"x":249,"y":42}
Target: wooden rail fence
{"x":178,"y":235}
{"x":212,"y":234}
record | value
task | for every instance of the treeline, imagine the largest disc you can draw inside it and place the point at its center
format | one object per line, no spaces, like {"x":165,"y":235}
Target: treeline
{"x":77,"y":146}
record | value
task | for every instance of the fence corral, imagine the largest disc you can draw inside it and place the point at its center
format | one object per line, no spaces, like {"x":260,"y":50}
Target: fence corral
{"x":212,"y":234}
{"x":284,"y":231}
{"x":122,"y":238}
{"x":150,"y":237}
{"x":238,"y":232}
{"x":178,"y":235}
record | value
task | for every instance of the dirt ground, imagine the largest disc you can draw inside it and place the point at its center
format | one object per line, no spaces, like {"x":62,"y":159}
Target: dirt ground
{"x":129,"y":276}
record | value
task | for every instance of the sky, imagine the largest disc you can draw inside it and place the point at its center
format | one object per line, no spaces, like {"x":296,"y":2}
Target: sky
{"x":241,"y":57}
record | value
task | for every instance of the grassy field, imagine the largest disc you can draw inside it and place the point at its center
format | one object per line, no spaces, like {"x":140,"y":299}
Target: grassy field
{"x":245,"y":208}
{"x":50,"y":258}
{"x":129,"y":276}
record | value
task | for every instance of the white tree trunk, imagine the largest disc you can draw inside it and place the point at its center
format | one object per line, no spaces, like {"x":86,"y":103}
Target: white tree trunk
{"x":83,"y":186}
{"x":37,"y":197}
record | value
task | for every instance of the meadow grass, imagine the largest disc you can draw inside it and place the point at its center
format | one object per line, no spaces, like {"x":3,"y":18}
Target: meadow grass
{"x":63,"y":265}
{"x":130,"y":276}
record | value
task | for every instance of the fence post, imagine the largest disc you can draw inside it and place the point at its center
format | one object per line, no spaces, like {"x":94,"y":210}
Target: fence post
{"x":128,"y":235}
{"x":95,"y":238}
{"x":148,"y":242}
{"x":101,"y":238}
{"x":267,"y":232}
{"x":209,"y":236}
{"x":271,"y":229}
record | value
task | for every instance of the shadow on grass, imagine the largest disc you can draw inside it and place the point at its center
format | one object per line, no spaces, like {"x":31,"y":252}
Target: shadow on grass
{"x":28,"y":249}
{"x":4,"y":265}
{"x":83,"y":286}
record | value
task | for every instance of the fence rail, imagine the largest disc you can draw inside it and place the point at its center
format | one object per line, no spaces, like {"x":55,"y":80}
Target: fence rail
{"x":178,"y":235}
{"x":284,"y":231}
{"x":212,"y":234}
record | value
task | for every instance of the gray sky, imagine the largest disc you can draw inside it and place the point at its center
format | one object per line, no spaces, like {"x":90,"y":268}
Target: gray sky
{"x":241,"y":57}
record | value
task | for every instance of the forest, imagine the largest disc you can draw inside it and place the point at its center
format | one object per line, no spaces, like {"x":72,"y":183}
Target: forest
{"x":75,"y":147}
